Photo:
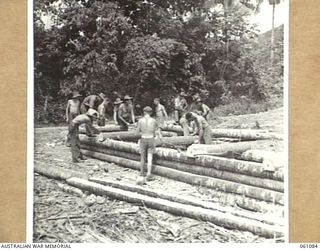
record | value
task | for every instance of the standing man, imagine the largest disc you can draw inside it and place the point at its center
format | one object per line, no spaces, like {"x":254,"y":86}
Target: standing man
{"x":86,"y":119}
{"x":160,"y":112}
{"x":180,"y":106}
{"x":202,"y":127}
{"x":72,"y":110}
{"x":102,"y":108}
{"x":116,"y":106}
{"x":202,"y":109}
{"x":126,"y":113}
{"x":147,"y":128}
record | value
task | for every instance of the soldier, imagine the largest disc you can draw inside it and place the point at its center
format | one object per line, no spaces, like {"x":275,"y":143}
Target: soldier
{"x":126,"y":113}
{"x":160,"y":112}
{"x":202,"y":127}
{"x":116,"y":109}
{"x":147,"y":128}
{"x":72,"y":110}
{"x":86,"y":119}
{"x":180,"y":106}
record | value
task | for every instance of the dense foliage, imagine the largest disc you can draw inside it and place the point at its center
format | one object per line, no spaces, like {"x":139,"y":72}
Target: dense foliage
{"x":148,"y":49}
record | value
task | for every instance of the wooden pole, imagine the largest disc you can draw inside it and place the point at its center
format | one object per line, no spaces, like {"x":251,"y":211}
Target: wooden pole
{"x":209,"y":182}
{"x":224,"y":219}
{"x":184,"y":200}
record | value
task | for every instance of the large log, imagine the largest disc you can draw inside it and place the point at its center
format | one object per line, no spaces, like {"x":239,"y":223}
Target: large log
{"x":277,"y":158}
{"x":56,"y":172}
{"x":107,"y":128}
{"x":243,"y":134}
{"x":219,"y":163}
{"x":185,"y":200}
{"x":224,"y":219}
{"x":209,"y":182}
{"x":128,"y":135}
{"x":218,"y":149}
{"x":199,"y":170}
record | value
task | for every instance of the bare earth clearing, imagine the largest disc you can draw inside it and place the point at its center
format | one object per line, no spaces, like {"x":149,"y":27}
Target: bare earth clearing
{"x":63,"y":217}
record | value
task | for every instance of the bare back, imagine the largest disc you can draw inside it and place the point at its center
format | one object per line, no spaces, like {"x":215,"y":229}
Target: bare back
{"x":147,"y":126}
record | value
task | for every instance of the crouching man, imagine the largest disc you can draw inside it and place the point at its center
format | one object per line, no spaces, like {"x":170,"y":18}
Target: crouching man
{"x":202,"y":127}
{"x":148,"y":129}
{"x":86,"y":119}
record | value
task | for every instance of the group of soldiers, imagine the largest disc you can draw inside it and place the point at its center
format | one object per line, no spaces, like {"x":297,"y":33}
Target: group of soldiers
{"x":192,"y":118}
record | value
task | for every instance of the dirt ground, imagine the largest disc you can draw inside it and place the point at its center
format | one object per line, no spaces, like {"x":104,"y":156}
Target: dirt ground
{"x":63,"y":217}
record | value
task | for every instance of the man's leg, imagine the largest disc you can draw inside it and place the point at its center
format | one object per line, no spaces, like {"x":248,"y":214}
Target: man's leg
{"x":151,"y":149}
{"x":185,"y":127}
{"x":207,"y":138}
{"x":143,"y":156}
{"x":75,"y":150}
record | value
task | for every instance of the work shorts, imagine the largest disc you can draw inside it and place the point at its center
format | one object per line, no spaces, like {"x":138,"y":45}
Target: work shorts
{"x":147,"y":145}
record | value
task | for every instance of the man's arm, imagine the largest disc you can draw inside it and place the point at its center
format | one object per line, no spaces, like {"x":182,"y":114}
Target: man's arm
{"x":164,"y":112}
{"x":115,"y":118}
{"x":132,"y":115}
{"x":200,"y":127}
{"x":67,"y":110}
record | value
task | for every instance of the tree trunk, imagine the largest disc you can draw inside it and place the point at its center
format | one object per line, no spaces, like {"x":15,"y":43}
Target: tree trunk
{"x":130,"y":135}
{"x":224,"y":219}
{"x":242,"y":134}
{"x":272,"y":35}
{"x":56,"y":172}
{"x":219,"y":163}
{"x":261,"y":155}
{"x":186,"y":200}
{"x":218,"y":149}
{"x":107,"y":128}
{"x":199,"y":170}
{"x":226,"y":186}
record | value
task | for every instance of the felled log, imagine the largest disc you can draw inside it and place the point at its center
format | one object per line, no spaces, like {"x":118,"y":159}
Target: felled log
{"x":199,"y":170}
{"x":218,"y":149}
{"x":56,"y":172}
{"x":246,"y":134}
{"x":107,"y":128}
{"x":209,"y":182}
{"x":176,"y":141}
{"x":128,"y":135}
{"x":243,"y":134}
{"x":261,"y":155}
{"x":224,"y":219}
{"x":219,"y":163}
{"x":185,"y":200}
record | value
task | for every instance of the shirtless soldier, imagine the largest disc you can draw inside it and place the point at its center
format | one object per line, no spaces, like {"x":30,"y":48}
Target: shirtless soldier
{"x":147,"y":128}
{"x":72,"y":110}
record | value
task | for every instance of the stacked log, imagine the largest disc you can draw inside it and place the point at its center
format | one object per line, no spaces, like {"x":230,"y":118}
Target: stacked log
{"x":195,"y":169}
{"x":277,"y":158}
{"x":219,"y":149}
{"x":219,"y":163}
{"x":130,"y":135}
{"x":199,"y":180}
{"x":242,"y":134}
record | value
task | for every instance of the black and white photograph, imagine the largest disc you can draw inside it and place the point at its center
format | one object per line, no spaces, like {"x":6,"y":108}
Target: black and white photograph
{"x":159,"y":121}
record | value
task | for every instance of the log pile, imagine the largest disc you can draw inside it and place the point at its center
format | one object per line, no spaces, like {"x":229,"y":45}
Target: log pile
{"x":252,"y":185}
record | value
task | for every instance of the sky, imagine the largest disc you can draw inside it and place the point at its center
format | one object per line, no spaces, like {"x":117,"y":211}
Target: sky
{"x":264,"y":18}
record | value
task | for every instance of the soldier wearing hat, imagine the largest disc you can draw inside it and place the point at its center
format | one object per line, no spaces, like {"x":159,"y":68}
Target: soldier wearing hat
{"x":72,"y":110}
{"x":92,"y":101}
{"x":126,"y":113}
{"x":202,"y":127}
{"x":147,"y":128}
{"x":116,"y":105}
{"x":202,"y":109}
{"x":86,"y":119}
{"x":180,"y":106}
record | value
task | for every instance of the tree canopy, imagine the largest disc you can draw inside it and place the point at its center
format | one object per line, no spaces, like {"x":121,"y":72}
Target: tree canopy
{"x":145,"y":48}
